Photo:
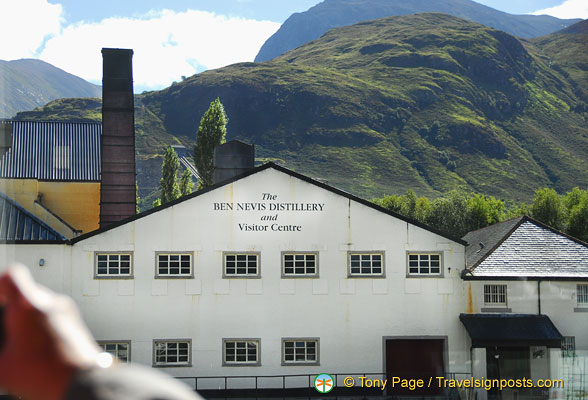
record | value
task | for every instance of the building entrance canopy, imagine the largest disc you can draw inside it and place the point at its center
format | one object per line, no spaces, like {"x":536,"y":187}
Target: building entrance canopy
{"x":504,"y":330}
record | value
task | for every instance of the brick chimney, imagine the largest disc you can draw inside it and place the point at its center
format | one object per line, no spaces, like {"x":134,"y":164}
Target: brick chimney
{"x":231,"y":159}
{"x":117,"y":189}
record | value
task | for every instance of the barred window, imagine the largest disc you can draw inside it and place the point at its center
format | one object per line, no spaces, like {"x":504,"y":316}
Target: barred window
{"x":113,"y":264}
{"x":300,"y":264}
{"x":424,"y":264}
{"x":241,"y":352}
{"x":495,"y":295}
{"x":171,"y":352}
{"x":366,"y":264}
{"x":120,"y":349}
{"x":174,"y":264}
{"x":568,"y":346}
{"x":582,"y":295}
{"x":300,"y":351}
{"x":241,"y":265}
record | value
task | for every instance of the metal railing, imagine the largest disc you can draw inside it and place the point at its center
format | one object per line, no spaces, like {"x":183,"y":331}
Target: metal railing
{"x":299,"y":385}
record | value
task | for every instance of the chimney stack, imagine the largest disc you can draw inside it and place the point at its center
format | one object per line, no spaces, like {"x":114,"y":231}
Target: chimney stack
{"x":117,"y":189}
{"x":231,"y":159}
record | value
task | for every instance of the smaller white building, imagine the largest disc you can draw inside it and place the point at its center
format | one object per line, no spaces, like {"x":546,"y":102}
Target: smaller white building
{"x":526,"y":283}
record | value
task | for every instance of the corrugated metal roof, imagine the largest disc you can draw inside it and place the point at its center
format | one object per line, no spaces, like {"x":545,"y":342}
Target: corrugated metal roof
{"x":185,"y":158}
{"x":533,"y":250}
{"x":18,"y":224}
{"x":55,"y":151}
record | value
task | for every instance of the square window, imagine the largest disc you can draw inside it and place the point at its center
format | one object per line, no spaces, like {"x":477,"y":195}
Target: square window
{"x":172,"y":353}
{"x":173,"y":265}
{"x":300,"y":351}
{"x":366,"y":264}
{"x":241,"y":352}
{"x":119,"y":265}
{"x":299,"y":265}
{"x":495,"y":295}
{"x":424,"y":264}
{"x":120,"y":350}
{"x":241,"y":265}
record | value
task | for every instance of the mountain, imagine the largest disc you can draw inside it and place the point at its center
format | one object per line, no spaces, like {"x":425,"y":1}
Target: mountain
{"x":26,"y":84}
{"x":384,"y":106}
{"x":303,"y":27}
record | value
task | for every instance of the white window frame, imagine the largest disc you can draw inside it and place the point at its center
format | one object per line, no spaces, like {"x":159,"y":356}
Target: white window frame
{"x":582,"y":295}
{"x":495,"y":291}
{"x":169,"y":275}
{"x":305,"y":341}
{"x":116,"y":343}
{"x":362,"y":254}
{"x":248,"y":254}
{"x":167,"y":342}
{"x":422,"y":254}
{"x":246,"y":363}
{"x":108,"y":275}
{"x":304,"y":255}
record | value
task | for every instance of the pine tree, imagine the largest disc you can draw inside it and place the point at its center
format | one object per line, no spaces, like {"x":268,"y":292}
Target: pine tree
{"x":169,"y":176}
{"x":211,"y":133}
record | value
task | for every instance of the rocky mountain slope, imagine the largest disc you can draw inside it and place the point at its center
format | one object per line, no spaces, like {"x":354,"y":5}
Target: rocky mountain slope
{"x":303,"y":27}
{"x":28,"y":83}
{"x":384,"y":106}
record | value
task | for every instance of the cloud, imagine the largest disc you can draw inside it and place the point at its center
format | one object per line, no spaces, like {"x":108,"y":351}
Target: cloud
{"x":25,"y":26}
{"x":568,"y":9}
{"x":166,"y":44}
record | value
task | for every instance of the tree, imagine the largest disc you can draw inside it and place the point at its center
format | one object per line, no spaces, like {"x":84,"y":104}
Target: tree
{"x":549,"y":208}
{"x":186,"y":184}
{"x":211,"y":133}
{"x":169,"y":176}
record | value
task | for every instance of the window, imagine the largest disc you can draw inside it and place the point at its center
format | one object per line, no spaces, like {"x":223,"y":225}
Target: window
{"x":61,"y":157}
{"x":114,"y":265}
{"x":120,"y":350}
{"x":366,"y":264}
{"x":300,"y":264}
{"x":582,"y":295}
{"x":297,"y":351}
{"x":241,"y":352}
{"x":424,"y":264}
{"x":568,"y":346}
{"x":172,"y":265}
{"x":495,"y":295}
{"x":245,"y":265}
{"x":171,"y":353}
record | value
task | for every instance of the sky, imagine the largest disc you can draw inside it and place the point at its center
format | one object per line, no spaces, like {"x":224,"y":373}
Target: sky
{"x":171,"y":39}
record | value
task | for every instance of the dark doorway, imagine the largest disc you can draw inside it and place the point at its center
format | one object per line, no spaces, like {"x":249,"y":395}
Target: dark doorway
{"x":507,"y":363}
{"x":414,"y":359}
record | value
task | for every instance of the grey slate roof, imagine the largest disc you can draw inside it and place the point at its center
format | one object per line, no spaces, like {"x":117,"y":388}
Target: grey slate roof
{"x":56,"y":151}
{"x":482,"y":241}
{"x":528,"y":249}
{"x":17,"y":224}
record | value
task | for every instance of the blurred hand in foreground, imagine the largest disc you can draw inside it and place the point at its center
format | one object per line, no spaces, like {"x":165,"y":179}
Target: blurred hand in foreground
{"x":45,"y":342}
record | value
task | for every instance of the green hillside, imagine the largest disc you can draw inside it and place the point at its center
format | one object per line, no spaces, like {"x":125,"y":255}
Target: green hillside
{"x":301,"y":28}
{"x":386,"y":105}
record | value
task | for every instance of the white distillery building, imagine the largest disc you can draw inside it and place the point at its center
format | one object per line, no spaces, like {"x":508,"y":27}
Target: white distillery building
{"x":274,"y":273}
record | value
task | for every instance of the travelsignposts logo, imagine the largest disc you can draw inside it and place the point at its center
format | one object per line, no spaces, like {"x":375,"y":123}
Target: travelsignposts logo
{"x":324,"y":383}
